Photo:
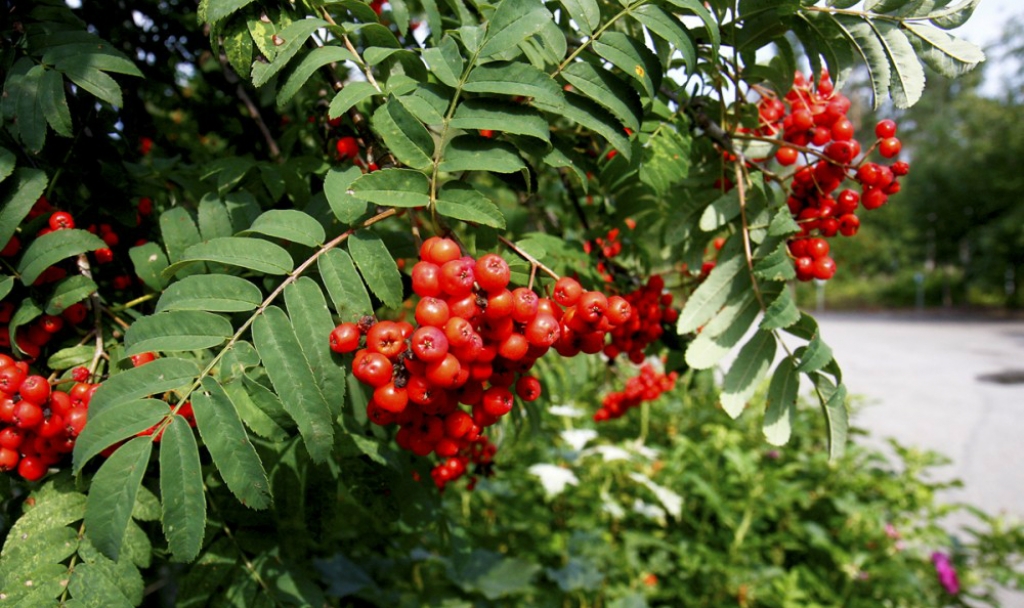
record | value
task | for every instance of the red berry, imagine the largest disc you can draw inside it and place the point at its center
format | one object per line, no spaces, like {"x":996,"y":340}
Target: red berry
{"x":345,"y":338}
{"x":429,"y":344}
{"x":492,"y":272}
{"x":142,"y":358}
{"x":885,"y":129}
{"x":31,"y":468}
{"x":347,"y":147}
{"x":786,"y":156}
{"x":35,"y":389}
{"x":824,"y":268}
{"x":889,"y":147}
{"x":104,"y":255}
{"x":61,"y":220}
{"x":528,"y":388}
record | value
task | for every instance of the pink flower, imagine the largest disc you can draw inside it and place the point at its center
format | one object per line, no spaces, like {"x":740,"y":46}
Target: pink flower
{"x":946,"y":572}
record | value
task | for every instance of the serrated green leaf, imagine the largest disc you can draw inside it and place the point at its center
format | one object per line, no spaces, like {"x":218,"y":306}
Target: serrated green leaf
{"x":268,"y":403}
{"x":219,"y":9}
{"x":181,"y":486}
{"x":97,"y":54}
{"x":116,"y":423}
{"x":586,"y":14}
{"x":36,"y":586}
{"x":80,"y":70}
{"x":471,"y":153}
{"x":69,"y":291}
{"x":588,"y":114}
{"x":947,"y":55}
{"x":247,"y":252}
{"x":290,"y":225}
{"x":781,"y":406}
{"x":27,"y":187}
{"x":720,"y":212}
{"x":714,"y":292}
{"x":747,"y":371}
{"x":723,"y":332}
{"x":445,"y":61}
{"x":155,"y":377}
{"x":506,"y":117}
{"x":429,"y":103}
{"x":393,"y":188}
{"x":513,"y":22}
{"x":149,"y":262}
{"x":47,"y":250}
{"x":316,"y":59}
{"x":211,"y":292}
{"x":27,"y":310}
{"x":375,"y":263}
{"x":179,"y":232}
{"x":514,"y":79}
{"x":214,"y":220}
{"x":632,"y":57}
{"x":25,"y":553}
{"x":112,"y":495}
{"x":776,"y":266}
{"x":606,"y":89}
{"x":6,"y":284}
{"x":351,"y":94}
{"x":294,"y":37}
{"x":176,"y":330}
{"x":228,"y":443}
{"x":290,"y":373}
{"x":344,"y":285}
{"x":7,"y":164}
{"x":404,"y":135}
{"x":954,"y":16}
{"x":464,"y":202}
{"x":867,"y":45}
{"x":311,"y":321}
{"x":66,"y":358}
{"x":238,"y":46}
{"x":668,"y":28}
{"x":30,"y":118}
{"x":781,"y":313}
{"x":346,"y":207}
{"x":253,"y":416}
{"x":907,"y":79}
{"x":238,"y":357}
{"x":54,"y":104}
{"x":816,"y":356}
{"x":98,"y":582}
{"x":837,"y":417}
{"x":783,"y":224}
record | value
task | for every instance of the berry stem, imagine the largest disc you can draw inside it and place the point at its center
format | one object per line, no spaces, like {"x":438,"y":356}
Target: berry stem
{"x":534,"y":262}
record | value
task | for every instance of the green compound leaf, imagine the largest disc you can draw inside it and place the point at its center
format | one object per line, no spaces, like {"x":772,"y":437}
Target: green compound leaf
{"x":404,"y":135}
{"x":112,"y":495}
{"x":294,"y":36}
{"x":464,"y":202}
{"x":155,"y":377}
{"x":747,"y":371}
{"x":176,"y":330}
{"x":588,"y":114}
{"x":781,"y":313}
{"x":632,"y":57}
{"x":311,"y":321}
{"x":98,"y":582}
{"x":668,"y":28}
{"x":316,"y":59}
{"x":343,"y":283}
{"x":349,"y":96}
{"x":514,"y":79}
{"x":715,"y":291}
{"x":181,"y":487}
{"x":229,"y":445}
{"x":54,"y":103}
{"x":378,"y":267}
{"x":291,"y":375}
{"x":607,"y":90}
{"x":445,"y":61}
{"x":723,"y":332}
{"x":252,"y":253}
{"x":69,"y":291}
{"x":219,"y":9}
{"x":149,"y":262}
{"x":290,"y":225}
{"x":833,"y":403}
{"x":471,"y":153}
{"x":586,"y":14}
{"x":512,"y":23}
{"x":116,"y":423}
{"x":781,"y":408}
{"x":393,"y":188}
{"x":947,"y":55}
{"x":211,"y":292}
{"x":47,"y":250}
{"x":346,"y":207}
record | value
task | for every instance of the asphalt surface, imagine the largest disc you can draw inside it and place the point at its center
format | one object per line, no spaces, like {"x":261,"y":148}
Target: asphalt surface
{"x":949,"y":383}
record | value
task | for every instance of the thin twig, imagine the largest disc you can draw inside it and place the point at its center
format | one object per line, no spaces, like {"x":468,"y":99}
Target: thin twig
{"x":529,"y":258}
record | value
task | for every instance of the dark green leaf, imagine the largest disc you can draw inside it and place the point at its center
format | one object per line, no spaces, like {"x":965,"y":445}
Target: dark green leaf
{"x":253,"y":416}
{"x":505,"y":117}
{"x":586,"y":14}
{"x":73,"y":356}
{"x":870,"y":50}
{"x":30,"y":117}
{"x":116,"y":423}
{"x":98,"y":582}
{"x":393,"y":188}
{"x":81,"y":70}
{"x":404,"y":135}
{"x":229,"y":445}
{"x":513,"y":22}
{"x":632,"y":57}
{"x":346,"y":207}
{"x":7,"y":163}
{"x":776,"y":266}
{"x":219,"y":9}
{"x":781,"y":406}
{"x":28,"y":185}
{"x":176,"y":330}
{"x":47,"y":250}
{"x":316,"y":59}
{"x":290,"y":225}
{"x":247,"y":252}
{"x":214,"y":220}
{"x":445,"y":61}
{"x":907,"y":79}
{"x":721,"y":211}
{"x":54,"y":103}
{"x":291,"y":375}
{"x":238,"y":46}
{"x":268,"y":403}
{"x":294,"y":36}
{"x":471,"y":153}
{"x":26,"y":311}
{"x":833,"y":402}
{"x":112,"y":495}
{"x":149,"y":262}
{"x":375,"y":263}
{"x":311,"y":321}
{"x":816,"y":356}
{"x":783,"y":224}
{"x":212,"y":292}
{"x":607,"y":90}
{"x":588,"y":114}
{"x":161,"y":375}
{"x":747,"y":371}
{"x":344,"y":285}
{"x":668,"y":28}
{"x":351,"y":94}
{"x":514,"y":79}
{"x":181,"y":484}
{"x":179,"y":232}
{"x":69,"y":291}
{"x":464,"y":202}
{"x":781,"y":313}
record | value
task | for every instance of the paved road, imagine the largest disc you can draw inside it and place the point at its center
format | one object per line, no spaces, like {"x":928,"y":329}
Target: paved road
{"x":922,"y":379}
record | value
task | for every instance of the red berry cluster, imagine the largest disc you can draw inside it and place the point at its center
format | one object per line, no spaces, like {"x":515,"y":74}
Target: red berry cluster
{"x":475,"y":343}
{"x":38,"y":425}
{"x":814,"y":118}
{"x":31,"y":337}
{"x":651,"y":308}
{"x":648,"y":386}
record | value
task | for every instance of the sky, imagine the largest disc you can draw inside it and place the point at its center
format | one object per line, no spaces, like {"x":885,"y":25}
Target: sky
{"x":984,"y":28}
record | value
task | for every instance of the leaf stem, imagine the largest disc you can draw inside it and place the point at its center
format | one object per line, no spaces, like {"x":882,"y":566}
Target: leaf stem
{"x":534,"y":262}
